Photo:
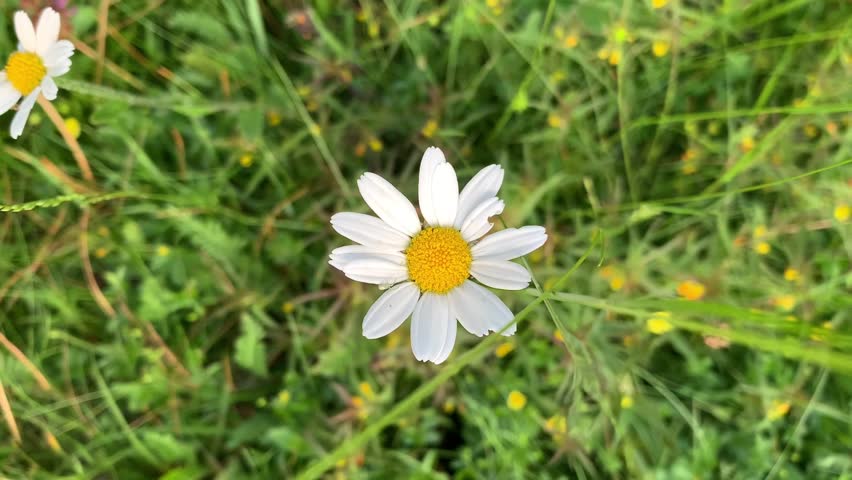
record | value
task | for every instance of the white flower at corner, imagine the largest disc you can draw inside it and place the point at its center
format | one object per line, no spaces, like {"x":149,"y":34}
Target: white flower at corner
{"x":30,"y":71}
{"x":427,"y":267}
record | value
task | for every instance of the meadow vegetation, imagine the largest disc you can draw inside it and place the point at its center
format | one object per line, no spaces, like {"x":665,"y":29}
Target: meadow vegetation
{"x":171,"y":314}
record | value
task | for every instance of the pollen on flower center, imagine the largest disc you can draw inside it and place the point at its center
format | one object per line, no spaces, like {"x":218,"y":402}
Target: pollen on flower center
{"x":438,"y":259}
{"x":25,"y":71}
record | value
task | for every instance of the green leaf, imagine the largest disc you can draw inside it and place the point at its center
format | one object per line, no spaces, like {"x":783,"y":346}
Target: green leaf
{"x":250,"y":350}
{"x":168,"y":448}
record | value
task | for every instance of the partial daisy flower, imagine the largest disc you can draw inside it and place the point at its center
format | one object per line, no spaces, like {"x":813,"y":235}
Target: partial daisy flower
{"x":41,"y":56}
{"x":426,"y":268}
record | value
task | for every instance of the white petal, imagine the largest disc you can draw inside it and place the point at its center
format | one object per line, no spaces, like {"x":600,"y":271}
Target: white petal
{"x":378,"y":271}
{"x":477,"y":223}
{"x":390,"y":310}
{"x":445,"y":194}
{"x":429,"y":326}
{"x":500,"y":274}
{"x":49,"y":88}
{"x":23,"y":114}
{"x":510,"y":243}
{"x":59,"y":68}
{"x":47,"y":30}
{"x":9,"y":96}
{"x":430,"y":161}
{"x":480,"y":188}
{"x":463,"y":302}
{"x":61,"y":50}
{"x":3,"y":77}
{"x":369,"y":230}
{"x":449,"y":341}
{"x":479,"y":310}
{"x":25,"y":32}
{"x":342,"y":256}
{"x":389,"y":203}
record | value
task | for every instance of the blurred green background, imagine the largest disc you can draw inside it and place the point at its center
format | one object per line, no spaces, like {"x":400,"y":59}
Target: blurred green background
{"x":175,"y":317}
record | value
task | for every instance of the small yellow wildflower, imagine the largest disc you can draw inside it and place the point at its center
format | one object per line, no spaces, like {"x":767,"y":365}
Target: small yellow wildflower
{"x":760,"y":231}
{"x":689,"y":168}
{"x":516,"y":400}
{"x":557,"y":335}
{"x":659,"y":323}
{"x":621,"y":34}
{"x":163,"y":250}
{"x":626,"y":402}
{"x":449,"y":406}
{"x":778,"y":410}
{"x":660,"y":48}
{"x":303,"y":92}
{"x":314,"y":129}
{"x":791,"y":274}
{"x":747,"y":144}
{"x":283,"y":397}
{"x":614,"y":57}
{"x":360,"y":149}
{"x":246,"y":160}
{"x":101,"y":252}
{"x":616,"y":283}
{"x":73,"y":126}
{"x":571,"y":41}
{"x":273,"y":118}
{"x":558,"y":76}
{"x":763,"y":248}
{"x":288,"y":307}
{"x":360,"y":407}
{"x":713,"y":128}
{"x":657,"y":4}
{"x":555,"y":121}
{"x":691,"y":290}
{"x":603,"y":53}
{"x":373,"y":29}
{"x":429,"y":129}
{"x":811,"y":130}
{"x":785,"y":302}
{"x":831,"y":128}
{"x":376,"y":145}
{"x":367,"y":390}
{"x":556,"y":426}
{"x":504,"y":349}
{"x":842,"y":213}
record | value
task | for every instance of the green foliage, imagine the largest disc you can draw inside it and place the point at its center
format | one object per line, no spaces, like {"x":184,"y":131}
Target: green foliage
{"x":202,"y":334}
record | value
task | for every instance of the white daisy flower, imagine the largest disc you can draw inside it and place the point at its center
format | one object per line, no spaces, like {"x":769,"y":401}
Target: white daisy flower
{"x":426,"y":268}
{"x":30,"y":71}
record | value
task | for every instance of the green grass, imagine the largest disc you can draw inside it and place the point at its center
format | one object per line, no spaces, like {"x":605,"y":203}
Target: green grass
{"x":176,"y":317}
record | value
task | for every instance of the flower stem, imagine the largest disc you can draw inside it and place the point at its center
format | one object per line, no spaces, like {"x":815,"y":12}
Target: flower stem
{"x":57,"y":120}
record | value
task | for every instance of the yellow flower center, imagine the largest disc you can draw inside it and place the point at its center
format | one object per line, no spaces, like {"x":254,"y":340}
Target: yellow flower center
{"x":25,"y":71}
{"x":438,"y":259}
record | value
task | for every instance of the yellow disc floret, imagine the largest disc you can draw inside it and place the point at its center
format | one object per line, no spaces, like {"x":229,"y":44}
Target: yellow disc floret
{"x":25,"y":71}
{"x":438,"y":259}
